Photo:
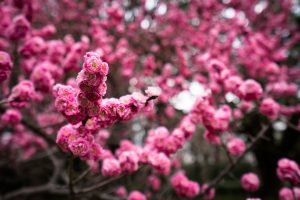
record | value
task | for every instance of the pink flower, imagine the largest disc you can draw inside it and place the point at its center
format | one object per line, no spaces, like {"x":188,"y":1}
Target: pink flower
{"x":236,"y":147}
{"x":288,"y":170}
{"x":102,"y":136}
{"x":65,"y":134}
{"x":210,"y":194}
{"x":32,"y":46}
{"x":5,"y":65}
{"x":5,"y":61}
{"x":188,"y":127}
{"x":153,"y":91}
{"x":129,"y":161}
{"x":95,"y":152}
{"x":250,"y":90}
{"x":21,"y":94}
{"x":287,"y":194}
{"x":250,"y":182}
{"x":136,"y":195}
{"x":269,"y":108}
{"x":79,"y":147}
{"x":232,"y":83}
{"x":93,"y":64}
{"x":19,"y":27}
{"x":111,"y":167}
{"x":158,"y":138}
{"x":154,"y":182}
{"x":221,"y":119}
{"x":212,"y":137}
{"x":121,"y":192}
{"x":160,"y":162}
{"x":11,"y":116}
{"x":42,"y":78}
{"x":183,"y":186}
{"x":177,"y":138}
{"x":66,"y":102}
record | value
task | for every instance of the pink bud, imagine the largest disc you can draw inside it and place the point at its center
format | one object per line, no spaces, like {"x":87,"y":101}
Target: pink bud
{"x":136,"y":195}
{"x":250,"y":182}
{"x":236,"y":146}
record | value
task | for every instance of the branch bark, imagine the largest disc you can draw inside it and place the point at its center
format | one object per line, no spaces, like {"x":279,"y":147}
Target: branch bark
{"x":48,"y":188}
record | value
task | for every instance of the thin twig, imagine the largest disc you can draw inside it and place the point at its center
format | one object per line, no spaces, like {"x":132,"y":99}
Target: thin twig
{"x":293,"y":192}
{"x":103,"y":183}
{"x":99,"y":185}
{"x":109,"y":197}
{"x":34,"y":128}
{"x":231,"y":166}
{"x":82,"y":176}
{"x":48,"y":188}
{"x":38,"y":131}
{"x":57,"y":164}
{"x":70,"y":173}
{"x":226,"y":151}
{"x":292,"y":126}
{"x":4,"y":101}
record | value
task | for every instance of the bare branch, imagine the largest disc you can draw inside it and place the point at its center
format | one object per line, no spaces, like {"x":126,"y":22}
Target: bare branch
{"x":70,"y":173}
{"x":99,"y":185}
{"x":82,"y":176}
{"x":232,"y":165}
{"x":48,"y":188}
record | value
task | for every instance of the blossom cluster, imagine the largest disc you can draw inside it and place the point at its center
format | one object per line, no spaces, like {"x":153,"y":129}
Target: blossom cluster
{"x":223,"y":70}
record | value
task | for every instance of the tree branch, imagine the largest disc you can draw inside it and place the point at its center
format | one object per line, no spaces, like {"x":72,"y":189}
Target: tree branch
{"x":232,"y":165}
{"x":99,"y":185}
{"x":82,"y":176}
{"x":38,"y":131}
{"x":48,"y":188}
{"x":70,"y":172}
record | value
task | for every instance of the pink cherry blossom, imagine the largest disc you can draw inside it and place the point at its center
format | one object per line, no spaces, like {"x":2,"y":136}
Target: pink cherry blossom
{"x":250,"y":182}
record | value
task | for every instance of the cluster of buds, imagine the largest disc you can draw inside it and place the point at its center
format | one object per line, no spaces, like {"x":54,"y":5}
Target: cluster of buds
{"x":85,"y":108}
{"x":86,"y":102}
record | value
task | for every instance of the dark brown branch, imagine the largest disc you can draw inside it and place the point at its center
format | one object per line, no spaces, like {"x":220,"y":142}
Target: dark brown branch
{"x":109,"y":197}
{"x":38,"y":131}
{"x":57,"y":164}
{"x":70,"y":173}
{"x":103,"y":183}
{"x":232,"y":165}
{"x":34,"y":128}
{"x":82,"y":176}
{"x":226,"y":151}
{"x":48,"y":188}
{"x":99,"y":185}
{"x":292,"y":126}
